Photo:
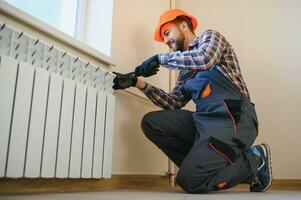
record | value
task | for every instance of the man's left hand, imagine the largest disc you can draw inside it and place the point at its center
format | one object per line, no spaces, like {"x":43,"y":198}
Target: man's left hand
{"x":149,"y":67}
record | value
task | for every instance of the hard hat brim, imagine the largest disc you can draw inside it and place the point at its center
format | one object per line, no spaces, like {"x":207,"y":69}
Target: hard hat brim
{"x":169,"y":16}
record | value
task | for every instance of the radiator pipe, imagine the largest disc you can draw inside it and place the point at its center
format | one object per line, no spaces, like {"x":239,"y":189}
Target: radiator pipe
{"x":171,"y":166}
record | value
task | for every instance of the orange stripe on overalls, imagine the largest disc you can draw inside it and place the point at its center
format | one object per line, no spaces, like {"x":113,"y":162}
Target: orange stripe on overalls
{"x":207,"y":91}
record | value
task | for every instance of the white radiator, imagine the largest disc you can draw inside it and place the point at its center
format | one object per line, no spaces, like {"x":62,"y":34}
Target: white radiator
{"x":56,"y":111}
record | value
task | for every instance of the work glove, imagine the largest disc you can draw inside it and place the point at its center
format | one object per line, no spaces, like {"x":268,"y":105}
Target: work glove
{"x":148,"y":67}
{"x":123,"y":81}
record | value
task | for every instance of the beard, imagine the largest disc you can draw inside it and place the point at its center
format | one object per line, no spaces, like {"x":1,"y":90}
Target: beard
{"x":179,"y":42}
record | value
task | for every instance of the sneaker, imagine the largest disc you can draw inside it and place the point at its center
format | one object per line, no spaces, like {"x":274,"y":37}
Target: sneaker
{"x":263,"y":178}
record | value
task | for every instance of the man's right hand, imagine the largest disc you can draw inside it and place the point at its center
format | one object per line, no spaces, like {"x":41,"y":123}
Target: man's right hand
{"x":123,"y":81}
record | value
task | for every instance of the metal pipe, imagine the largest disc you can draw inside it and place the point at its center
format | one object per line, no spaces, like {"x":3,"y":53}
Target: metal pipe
{"x":171,"y":166}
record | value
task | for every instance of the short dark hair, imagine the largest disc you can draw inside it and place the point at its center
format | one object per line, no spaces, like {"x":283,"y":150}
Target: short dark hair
{"x":186,"y":19}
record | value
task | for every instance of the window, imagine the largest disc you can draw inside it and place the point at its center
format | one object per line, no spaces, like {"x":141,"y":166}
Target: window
{"x":89,"y":21}
{"x":95,"y":24}
{"x":57,"y":13}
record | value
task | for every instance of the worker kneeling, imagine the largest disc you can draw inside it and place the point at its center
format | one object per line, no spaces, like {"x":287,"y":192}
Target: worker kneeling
{"x":213,"y":145}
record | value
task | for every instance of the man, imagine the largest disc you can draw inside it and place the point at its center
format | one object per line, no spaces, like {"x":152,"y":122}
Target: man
{"x":211,"y":146}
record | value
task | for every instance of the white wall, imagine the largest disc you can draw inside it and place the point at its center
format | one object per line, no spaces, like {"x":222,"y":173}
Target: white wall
{"x":132,"y":42}
{"x":266,"y":37}
{"x":133,"y":153}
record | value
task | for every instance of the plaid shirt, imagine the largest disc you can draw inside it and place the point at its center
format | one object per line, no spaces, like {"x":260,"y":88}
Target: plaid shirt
{"x":206,"y":51}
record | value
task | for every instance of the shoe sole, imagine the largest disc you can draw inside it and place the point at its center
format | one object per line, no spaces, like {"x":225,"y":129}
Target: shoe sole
{"x":268,"y":152}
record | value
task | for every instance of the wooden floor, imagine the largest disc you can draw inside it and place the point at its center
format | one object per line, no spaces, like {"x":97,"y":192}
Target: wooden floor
{"x":30,"y":186}
{"x":26,"y":185}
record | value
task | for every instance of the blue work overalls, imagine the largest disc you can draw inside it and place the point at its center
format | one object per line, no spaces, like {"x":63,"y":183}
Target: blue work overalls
{"x":226,"y":125}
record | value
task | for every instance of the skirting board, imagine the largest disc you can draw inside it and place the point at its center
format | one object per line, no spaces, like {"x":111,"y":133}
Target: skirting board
{"x":38,"y":185}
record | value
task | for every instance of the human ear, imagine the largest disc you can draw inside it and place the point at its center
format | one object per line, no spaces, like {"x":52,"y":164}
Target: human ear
{"x":184,"y":26}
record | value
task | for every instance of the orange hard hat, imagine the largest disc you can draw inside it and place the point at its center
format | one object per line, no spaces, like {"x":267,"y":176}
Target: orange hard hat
{"x":169,"y":16}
